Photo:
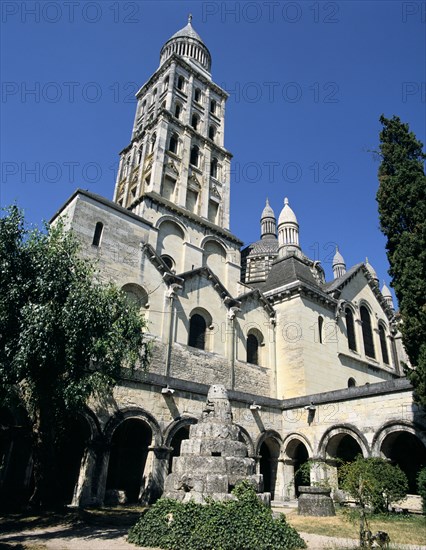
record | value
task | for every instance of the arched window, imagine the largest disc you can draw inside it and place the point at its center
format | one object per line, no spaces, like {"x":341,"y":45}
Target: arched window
{"x":173,"y":143}
{"x":197,"y":331}
{"x":320,"y":325}
{"x":367,"y":333}
{"x":213,"y":168}
{"x":143,"y":107}
{"x":195,"y":156}
{"x":178,"y":110}
{"x":166,"y":84}
{"x":180,"y":83}
{"x":154,"y":96}
{"x":168,"y":260}
{"x":197,"y":95}
{"x":153,"y":140}
{"x":351,"y":382}
{"x":98,"y":234}
{"x":212,"y":132}
{"x":252,"y":349}
{"x":139,"y":155}
{"x":350,"y":329}
{"x":126,"y":168}
{"x":383,"y":344}
{"x":195,"y":121}
{"x":213,"y":106}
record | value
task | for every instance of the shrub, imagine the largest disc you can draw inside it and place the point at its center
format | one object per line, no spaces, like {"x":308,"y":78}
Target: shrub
{"x":242,"y":524}
{"x":421,"y":484}
{"x":373,"y":482}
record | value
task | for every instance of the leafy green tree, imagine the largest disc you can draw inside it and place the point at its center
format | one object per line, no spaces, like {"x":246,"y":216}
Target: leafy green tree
{"x":402,"y":207}
{"x":421,"y":484}
{"x":64,"y":336}
{"x":373,"y":482}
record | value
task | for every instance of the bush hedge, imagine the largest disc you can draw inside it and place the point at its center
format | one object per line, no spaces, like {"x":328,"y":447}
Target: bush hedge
{"x":421,"y":484}
{"x":242,"y":524}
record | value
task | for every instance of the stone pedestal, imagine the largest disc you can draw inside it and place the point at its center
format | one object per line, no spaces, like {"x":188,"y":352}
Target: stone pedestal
{"x":315,"y":501}
{"x":213,"y":459}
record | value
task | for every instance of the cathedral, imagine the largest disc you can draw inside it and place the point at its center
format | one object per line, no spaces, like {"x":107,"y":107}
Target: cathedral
{"x":313,"y":368}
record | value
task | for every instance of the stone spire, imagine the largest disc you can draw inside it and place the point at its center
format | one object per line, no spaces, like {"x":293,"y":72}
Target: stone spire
{"x":288,"y":230}
{"x":372,"y":271}
{"x":387,"y":296}
{"x":268,"y":222}
{"x":339,"y":266}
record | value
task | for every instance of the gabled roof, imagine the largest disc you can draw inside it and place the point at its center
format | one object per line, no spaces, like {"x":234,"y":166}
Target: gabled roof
{"x":160,"y":265}
{"x":102,"y":200}
{"x":289,"y":270}
{"x":216,"y":283}
{"x":343,"y":280}
{"x":256,"y":293}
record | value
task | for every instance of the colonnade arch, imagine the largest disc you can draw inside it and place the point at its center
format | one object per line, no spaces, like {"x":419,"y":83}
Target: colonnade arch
{"x":268,"y":448}
{"x":403,"y":444}
{"x":177,"y":432}
{"x":296,"y":452}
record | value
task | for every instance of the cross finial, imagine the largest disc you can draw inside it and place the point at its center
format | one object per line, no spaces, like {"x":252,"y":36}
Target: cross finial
{"x":190,"y":18}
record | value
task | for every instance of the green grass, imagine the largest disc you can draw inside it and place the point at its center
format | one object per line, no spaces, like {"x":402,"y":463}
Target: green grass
{"x":410,"y":529}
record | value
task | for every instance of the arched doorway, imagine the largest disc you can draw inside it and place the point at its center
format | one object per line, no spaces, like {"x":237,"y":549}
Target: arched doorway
{"x":408,"y":452}
{"x":298,"y":455}
{"x":15,"y":460}
{"x":128,"y":454}
{"x":269,"y":453}
{"x":341,"y":447}
{"x":74,"y":442}
{"x":176,"y":442}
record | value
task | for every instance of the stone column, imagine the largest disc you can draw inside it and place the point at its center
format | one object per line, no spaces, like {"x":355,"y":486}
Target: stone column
{"x":155,"y":472}
{"x":289,"y":490}
{"x":85,"y":489}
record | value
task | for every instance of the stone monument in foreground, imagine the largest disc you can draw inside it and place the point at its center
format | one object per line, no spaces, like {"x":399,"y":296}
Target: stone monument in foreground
{"x":213,"y":459}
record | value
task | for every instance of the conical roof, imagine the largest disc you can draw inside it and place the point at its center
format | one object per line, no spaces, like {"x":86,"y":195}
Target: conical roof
{"x":287,"y":215}
{"x":188,"y":44}
{"x":338,"y":258}
{"x":386,"y":292}
{"x":267,"y":211}
{"x":187,"y":31}
{"x":371,"y":269}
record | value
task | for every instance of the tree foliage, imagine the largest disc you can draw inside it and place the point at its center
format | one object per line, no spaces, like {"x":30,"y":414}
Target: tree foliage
{"x":241,"y":524}
{"x":373,"y":482}
{"x":402,"y":208}
{"x":421,"y":484}
{"x":64,"y":336}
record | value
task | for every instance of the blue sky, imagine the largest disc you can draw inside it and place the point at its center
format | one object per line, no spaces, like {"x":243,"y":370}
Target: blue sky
{"x":307,"y":82}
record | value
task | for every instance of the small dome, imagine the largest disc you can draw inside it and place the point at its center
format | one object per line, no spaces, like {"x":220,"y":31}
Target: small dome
{"x":338,"y":258}
{"x":187,"y":43}
{"x":371,"y":269}
{"x":386,"y":292}
{"x":267,"y":211}
{"x":187,"y":31}
{"x":287,"y":215}
{"x":267,"y":246}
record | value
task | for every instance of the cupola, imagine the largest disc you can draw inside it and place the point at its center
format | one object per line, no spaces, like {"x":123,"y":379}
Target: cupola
{"x":187,"y":44}
{"x":268,"y":223}
{"x":288,"y":230}
{"x":339,"y":266}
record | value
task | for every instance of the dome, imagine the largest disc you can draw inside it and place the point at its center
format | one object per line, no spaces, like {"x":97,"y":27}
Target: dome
{"x":187,"y":31}
{"x":386,"y":292}
{"x":287,"y":215}
{"x":338,"y":258}
{"x":268,"y":246}
{"x":371,"y":270}
{"x":187,"y":43}
{"x":267,"y":211}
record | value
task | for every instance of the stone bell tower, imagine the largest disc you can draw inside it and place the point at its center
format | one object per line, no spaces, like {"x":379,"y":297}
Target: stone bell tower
{"x":176,"y":158}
